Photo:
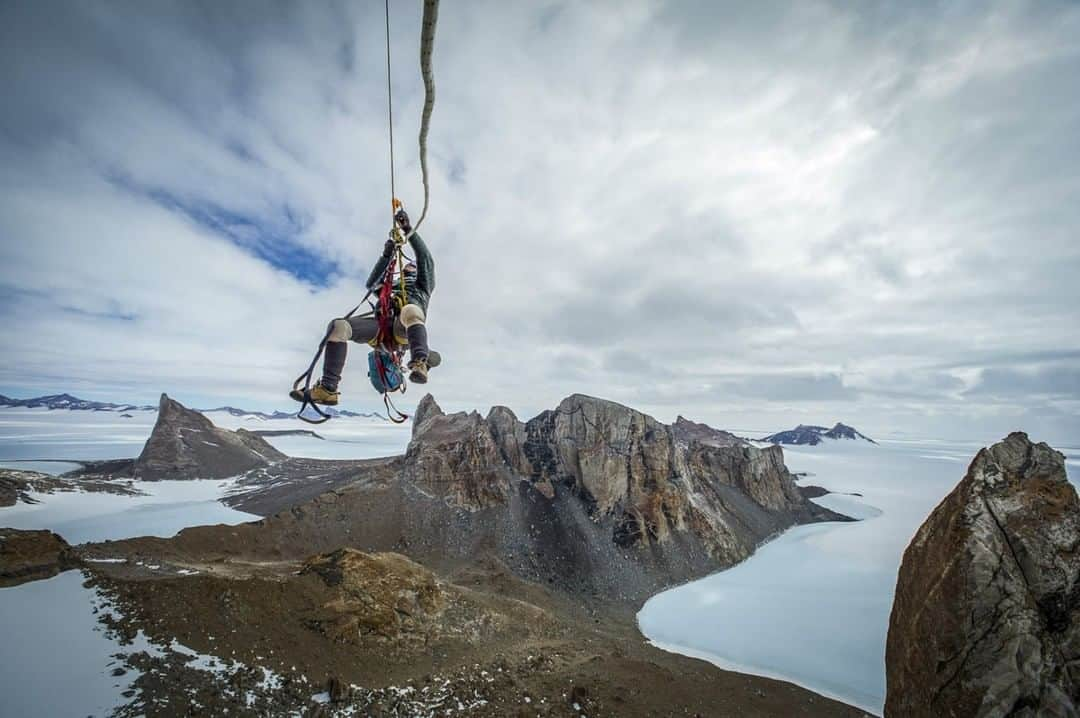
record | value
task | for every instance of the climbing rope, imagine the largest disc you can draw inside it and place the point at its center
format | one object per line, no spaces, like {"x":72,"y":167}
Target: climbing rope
{"x":427,"y":45}
{"x":390,"y":113}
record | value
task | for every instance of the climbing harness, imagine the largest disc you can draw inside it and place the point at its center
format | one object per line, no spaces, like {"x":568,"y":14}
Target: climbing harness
{"x":385,"y":370}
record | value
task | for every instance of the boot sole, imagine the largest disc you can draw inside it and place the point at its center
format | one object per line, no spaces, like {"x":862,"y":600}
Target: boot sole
{"x":296,"y":395}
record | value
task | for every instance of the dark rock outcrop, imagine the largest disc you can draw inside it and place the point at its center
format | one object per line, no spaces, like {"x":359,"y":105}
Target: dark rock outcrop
{"x":809,"y":435}
{"x":986,"y":620}
{"x":591,"y":498}
{"x":843,"y":431}
{"x":16,"y":485}
{"x":186,"y":445}
{"x":32,"y":555}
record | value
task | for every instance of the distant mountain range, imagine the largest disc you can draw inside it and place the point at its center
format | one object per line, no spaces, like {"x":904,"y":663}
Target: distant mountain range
{"x":812,"y":435}
{"x":74,"y":403}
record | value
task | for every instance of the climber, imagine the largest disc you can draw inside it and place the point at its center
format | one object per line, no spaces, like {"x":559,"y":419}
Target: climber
{"x":410,"y":314}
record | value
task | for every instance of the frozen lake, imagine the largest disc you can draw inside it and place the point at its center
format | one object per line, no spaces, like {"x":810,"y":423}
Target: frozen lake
{"x":55,"y":659}
{"x":812,"y":606}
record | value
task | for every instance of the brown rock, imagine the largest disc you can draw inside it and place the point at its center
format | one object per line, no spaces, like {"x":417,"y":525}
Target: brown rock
{"x":456,"y":458}
{"x":382,"y":595}
{"x":32,"y":555}
{"x":986,"y":620}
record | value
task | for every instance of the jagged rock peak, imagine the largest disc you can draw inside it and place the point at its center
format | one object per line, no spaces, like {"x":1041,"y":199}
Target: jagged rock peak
{"x":170,"y":410}
{"x":186,"y":445}
{"x":986,"y":620}
{"x":499,"y":413}
{"x":686,"y":430}
{"x":426,"y":409}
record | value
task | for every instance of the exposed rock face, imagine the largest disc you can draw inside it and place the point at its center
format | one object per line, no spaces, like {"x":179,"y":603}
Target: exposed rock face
{"x":687,"y":431}
{"x":186,"y":445}
{"x":32,"y":555}
{"x":986,"y":620}
{"x":384,"y":596}
{"x":592,"y":498}
{"x":456,"y":458}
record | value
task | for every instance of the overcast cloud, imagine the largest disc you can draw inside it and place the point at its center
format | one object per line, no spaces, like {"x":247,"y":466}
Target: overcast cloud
{"x":751,"y":215}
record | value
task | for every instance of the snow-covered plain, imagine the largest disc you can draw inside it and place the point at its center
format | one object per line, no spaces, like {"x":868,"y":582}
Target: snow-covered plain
{"x":61,"y":434}
{"x":812,"y":606}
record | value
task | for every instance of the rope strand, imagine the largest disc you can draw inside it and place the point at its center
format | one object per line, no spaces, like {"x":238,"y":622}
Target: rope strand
{"x":427,"y":45}
{"x":390,"y":110}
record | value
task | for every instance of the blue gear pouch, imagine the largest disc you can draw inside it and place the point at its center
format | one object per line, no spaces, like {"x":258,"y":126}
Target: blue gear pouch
{"x":384,"y":374}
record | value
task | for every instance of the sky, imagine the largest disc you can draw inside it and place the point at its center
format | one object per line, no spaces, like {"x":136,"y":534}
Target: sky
{"x":753,"y":215}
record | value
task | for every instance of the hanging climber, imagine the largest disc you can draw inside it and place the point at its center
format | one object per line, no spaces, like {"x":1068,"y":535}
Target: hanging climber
{"x":410,"y":314}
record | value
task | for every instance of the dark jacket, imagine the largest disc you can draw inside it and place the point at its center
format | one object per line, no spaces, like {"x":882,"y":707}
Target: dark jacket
{"x":418,"y":289}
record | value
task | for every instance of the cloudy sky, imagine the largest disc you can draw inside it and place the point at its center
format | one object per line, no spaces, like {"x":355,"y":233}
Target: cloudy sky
{"x":752,"y":215}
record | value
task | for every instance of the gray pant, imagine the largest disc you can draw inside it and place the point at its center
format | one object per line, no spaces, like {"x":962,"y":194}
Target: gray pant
{"x":362,"y":330}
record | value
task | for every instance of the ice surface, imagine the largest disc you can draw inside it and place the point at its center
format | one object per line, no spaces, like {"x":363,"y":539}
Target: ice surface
{"x":45,"y":467}
{"x":67,"y":434}
{"x":812,"y":606}
{"x":166,"y":507}
{"x":55,"y":660}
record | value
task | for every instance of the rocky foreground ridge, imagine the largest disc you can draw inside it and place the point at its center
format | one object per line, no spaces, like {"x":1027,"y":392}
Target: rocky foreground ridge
{"x":986,"y":620}
{"x":494,"y":568}
{"x":592,"y":497}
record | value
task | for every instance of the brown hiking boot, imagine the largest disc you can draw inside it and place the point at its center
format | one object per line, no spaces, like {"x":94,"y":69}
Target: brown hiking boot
{"x":321,"y":395}
{"x":418,"y":371}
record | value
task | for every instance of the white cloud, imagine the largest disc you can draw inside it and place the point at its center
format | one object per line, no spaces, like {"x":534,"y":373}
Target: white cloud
{"x":841,"y":198}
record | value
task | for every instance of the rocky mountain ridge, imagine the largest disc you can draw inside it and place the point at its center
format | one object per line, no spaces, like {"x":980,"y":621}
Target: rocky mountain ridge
{"x":592,"y":497}
{"x":73,"y":403}
{"x":807,"y":434}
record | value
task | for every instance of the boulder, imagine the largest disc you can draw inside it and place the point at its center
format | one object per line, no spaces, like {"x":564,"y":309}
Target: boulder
{"x":986,"y":619}
{"x":380,"y":596}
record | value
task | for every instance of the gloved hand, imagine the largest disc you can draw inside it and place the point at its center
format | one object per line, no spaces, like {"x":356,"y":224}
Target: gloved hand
{"x":402,"y":220}
{"x":388,"y":248}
